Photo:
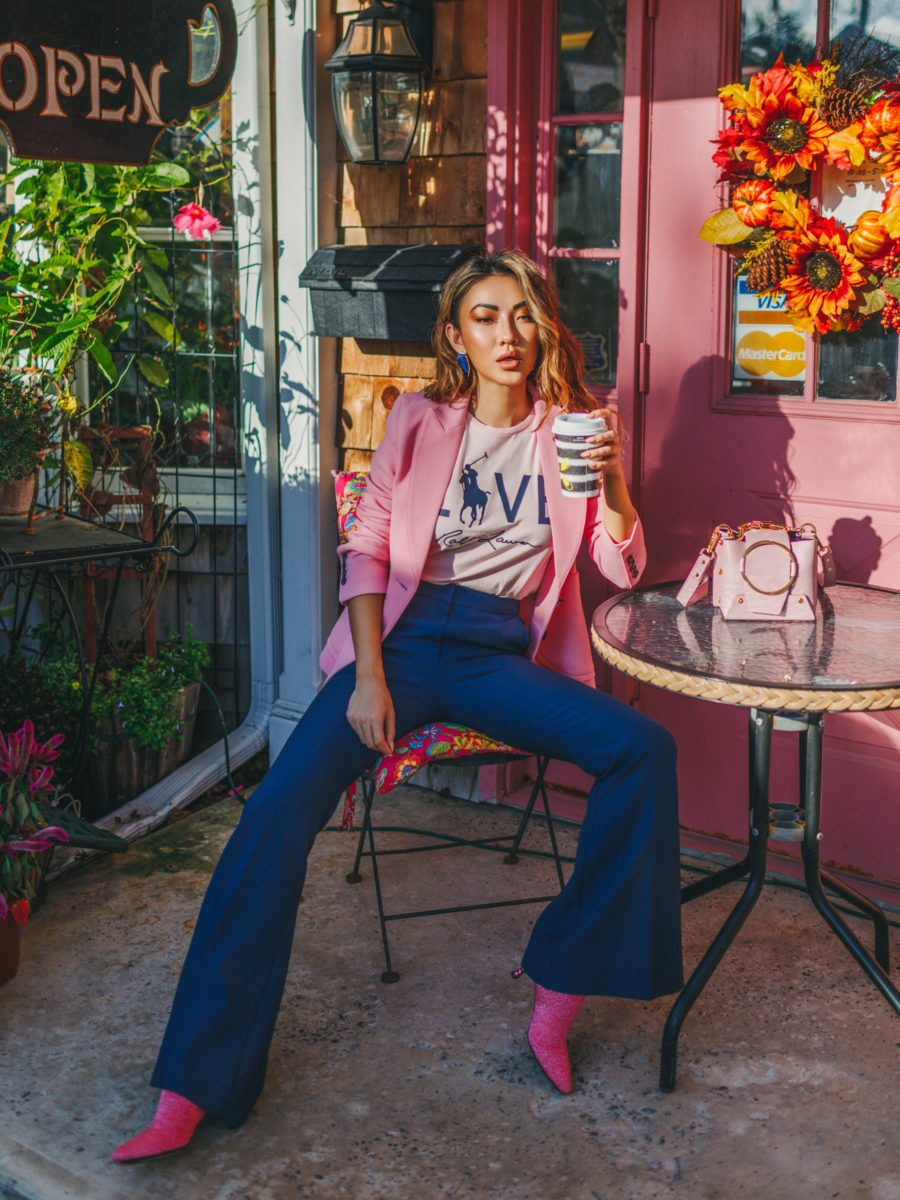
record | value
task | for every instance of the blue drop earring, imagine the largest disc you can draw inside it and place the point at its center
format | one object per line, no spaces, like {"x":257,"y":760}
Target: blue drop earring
{"x":463,"y":360}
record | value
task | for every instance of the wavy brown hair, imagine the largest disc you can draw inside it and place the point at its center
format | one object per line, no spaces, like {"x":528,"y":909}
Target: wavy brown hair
{"x":559,"y":370}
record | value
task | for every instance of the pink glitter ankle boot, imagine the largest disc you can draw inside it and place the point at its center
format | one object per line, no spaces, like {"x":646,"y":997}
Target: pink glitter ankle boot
{"x":553,"y":1014}
{"x":171,"y":1129}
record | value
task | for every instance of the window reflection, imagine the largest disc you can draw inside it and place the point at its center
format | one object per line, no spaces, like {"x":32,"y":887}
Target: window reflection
{"x":206,"y":48}
{"x":589,"y":303}
{"x":878,"y":20}
{"x":591,"y":64}
{"x":773,"y":27}
{"x":588,"y":165}
{"x":860,"y":365}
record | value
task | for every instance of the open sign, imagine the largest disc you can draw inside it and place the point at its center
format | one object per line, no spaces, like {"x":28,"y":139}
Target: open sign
{"x":99,"y":80}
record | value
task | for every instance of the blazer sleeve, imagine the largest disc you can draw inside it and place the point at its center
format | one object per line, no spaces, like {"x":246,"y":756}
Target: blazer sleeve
{"x":621,"y":562}
{"x":365,"y":557}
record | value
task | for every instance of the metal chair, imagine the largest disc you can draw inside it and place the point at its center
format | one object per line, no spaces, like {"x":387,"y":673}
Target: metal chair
{"x":432,"y":743}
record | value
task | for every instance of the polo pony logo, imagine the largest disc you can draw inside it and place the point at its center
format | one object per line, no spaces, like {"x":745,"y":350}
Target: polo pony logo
{"x":475,"y":498}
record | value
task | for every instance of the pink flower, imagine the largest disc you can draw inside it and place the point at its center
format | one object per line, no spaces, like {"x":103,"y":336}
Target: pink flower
{"x":39,"y":779}
{"x":49,"y":752}
{"x":41,"y":839}
{"x":19,"y":751}
{"x":195,"y":221}
{"x":15,"y":750}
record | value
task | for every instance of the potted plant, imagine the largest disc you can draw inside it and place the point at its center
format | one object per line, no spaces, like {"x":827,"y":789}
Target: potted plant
{"x":23,"y":440}
{"x":142,"y":721}
{"x":25,"y":773}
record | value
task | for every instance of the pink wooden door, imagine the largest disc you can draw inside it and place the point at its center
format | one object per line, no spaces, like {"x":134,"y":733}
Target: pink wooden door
{"x":716,"y":444}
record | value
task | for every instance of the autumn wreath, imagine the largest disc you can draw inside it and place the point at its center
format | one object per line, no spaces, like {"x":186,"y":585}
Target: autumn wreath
{"x":782,"y":124}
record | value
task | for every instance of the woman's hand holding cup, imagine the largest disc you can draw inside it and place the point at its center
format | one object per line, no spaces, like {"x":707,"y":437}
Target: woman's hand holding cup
{"x":604,"y":452}
{"x":588,"y":445}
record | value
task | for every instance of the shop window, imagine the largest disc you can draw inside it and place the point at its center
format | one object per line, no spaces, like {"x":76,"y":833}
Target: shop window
{"x":181,"y":368}
{"x":858,"y":366}
{"x":582,"y":236}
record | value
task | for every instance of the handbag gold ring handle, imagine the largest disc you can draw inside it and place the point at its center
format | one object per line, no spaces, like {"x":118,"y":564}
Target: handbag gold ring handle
{"x":792,"y":570}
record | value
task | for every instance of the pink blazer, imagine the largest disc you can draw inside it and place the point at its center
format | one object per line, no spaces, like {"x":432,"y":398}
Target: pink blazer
{"x":408,"y":478}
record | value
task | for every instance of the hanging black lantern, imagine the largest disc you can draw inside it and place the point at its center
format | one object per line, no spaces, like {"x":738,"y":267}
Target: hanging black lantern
{"x":376,"y":86}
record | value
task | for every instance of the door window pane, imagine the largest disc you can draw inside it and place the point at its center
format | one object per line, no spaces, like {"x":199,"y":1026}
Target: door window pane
{"x":773,"y":27}
{"x":587,"y":185}
{"x":589,"y":302}
{"x":875,"y":19}
{"x":860,"y":365}
{"x":591,"y":63}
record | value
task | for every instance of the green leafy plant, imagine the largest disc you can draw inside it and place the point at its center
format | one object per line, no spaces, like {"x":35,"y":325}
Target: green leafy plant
{"x":73,"y":249}
{"x":48,"y":693}
{"x":144,"y":699}
{"x":68,"y":273}
{"x":23,"y":431}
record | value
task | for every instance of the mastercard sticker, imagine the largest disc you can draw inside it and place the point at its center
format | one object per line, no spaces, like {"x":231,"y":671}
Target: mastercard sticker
{"x":763,"y":355}
{"x":766,"y":346}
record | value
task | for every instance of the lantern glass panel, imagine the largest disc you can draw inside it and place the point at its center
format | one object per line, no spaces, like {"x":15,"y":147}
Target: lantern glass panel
{"x":394,"y":39}
{"x":397,"y":98}
{"x":358,"y":40}
{"x":352,"y":91}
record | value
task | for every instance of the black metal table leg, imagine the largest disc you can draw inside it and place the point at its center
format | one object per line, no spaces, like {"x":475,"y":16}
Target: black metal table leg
{"x":760,"y":742}
{"x":876,"y":971}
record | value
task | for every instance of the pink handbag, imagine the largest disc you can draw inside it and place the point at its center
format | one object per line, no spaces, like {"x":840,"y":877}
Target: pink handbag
{"x":762,"y":572}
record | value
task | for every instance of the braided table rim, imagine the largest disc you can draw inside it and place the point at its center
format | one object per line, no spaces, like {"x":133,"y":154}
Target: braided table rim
{"x":748,"y":695}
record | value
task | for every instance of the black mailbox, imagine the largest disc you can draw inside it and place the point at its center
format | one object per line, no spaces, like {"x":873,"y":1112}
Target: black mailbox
{"x":379,"y":291}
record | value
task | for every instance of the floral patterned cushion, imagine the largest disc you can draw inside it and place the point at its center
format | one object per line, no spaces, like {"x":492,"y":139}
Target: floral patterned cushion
{"x":426,"y":744}
{"x":348,"y":490}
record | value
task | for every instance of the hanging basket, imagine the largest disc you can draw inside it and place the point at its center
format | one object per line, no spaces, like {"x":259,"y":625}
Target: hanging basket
{"x":10,"y":943}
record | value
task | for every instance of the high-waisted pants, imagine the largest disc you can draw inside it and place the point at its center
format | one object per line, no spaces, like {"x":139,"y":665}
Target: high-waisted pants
{"x":456,"y":655}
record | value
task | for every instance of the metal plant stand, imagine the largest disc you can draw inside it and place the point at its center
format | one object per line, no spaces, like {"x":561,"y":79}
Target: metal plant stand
{"x":42,"y":567}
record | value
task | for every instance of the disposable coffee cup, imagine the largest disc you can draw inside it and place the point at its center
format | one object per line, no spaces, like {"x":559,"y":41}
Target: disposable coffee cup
{"x":571,"y":432}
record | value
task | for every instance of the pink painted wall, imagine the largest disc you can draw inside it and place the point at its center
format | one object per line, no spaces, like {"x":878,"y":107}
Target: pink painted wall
{"x":704,"y":462}
{"x":698,"y":459}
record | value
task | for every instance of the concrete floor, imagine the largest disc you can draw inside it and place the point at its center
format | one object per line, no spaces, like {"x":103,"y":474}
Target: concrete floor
{"x":787,"y":1078}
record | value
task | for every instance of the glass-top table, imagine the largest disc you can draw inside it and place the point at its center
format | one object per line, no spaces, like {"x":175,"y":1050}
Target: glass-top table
{"x":787,"y":675}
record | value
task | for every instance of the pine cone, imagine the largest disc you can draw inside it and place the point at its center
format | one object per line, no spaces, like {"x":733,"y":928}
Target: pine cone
{"x":840,"y":107}
{"x":769,"y":268}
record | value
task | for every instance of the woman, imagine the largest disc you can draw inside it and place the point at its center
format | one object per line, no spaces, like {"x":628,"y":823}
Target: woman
{"x":462,"y":604}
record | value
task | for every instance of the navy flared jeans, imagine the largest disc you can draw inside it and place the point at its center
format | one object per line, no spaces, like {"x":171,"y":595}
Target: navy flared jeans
{"x":456,"y":655}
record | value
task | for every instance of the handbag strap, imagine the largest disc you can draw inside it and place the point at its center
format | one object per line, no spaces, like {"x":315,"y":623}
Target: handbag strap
{"x":807,"y":529}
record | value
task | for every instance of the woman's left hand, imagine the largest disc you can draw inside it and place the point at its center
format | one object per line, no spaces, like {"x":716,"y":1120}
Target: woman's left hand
{"x":605,"y":453}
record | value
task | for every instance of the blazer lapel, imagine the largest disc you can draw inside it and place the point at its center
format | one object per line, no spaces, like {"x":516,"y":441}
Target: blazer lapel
{"x":567,"y":513}
{"x":433,"y":459}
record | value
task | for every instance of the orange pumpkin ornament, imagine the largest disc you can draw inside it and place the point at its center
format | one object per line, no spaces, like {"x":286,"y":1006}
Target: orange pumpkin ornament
{"x":868,"y":238}
{"x":881,"y":119}
{"x":752,"y":201}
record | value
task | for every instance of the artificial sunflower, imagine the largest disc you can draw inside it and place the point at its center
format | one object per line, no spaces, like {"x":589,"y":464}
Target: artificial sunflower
{"x":739,"y":97}
{"x":825,"y":282}
{"x":782,"y":133}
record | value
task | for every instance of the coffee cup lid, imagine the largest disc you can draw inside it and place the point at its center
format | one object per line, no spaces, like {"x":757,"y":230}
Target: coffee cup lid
{"x":577,"y":425}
